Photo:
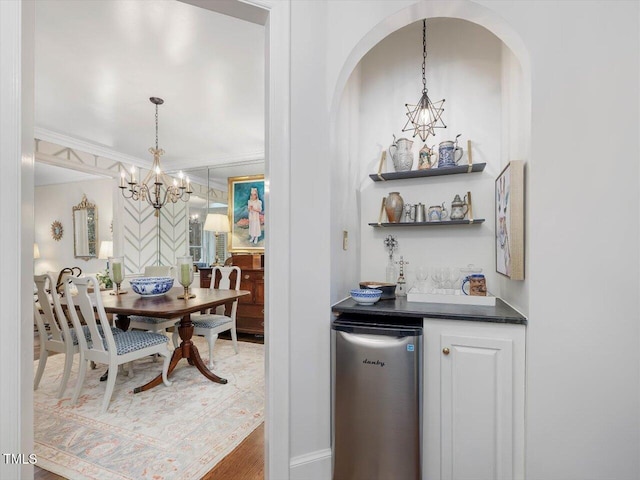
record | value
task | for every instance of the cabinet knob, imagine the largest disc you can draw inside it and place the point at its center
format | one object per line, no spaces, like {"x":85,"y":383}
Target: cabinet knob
{"x":247,"y":277}
{"x":445,"y":350}
{"x":209,"y":276}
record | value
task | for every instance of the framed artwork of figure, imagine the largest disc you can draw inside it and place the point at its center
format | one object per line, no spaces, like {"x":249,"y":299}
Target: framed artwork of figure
{"x":246,"y":213}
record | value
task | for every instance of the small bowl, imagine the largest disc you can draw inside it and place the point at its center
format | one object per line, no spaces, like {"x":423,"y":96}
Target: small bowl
{"x":151,"y":286}
{"x":366,"y":296}
{"x":388,"y":289}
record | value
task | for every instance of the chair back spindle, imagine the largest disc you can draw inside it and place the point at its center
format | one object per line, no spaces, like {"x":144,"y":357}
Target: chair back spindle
{"x":225,"y":284}
{"x":57,"y":320}
{"x":86,"y":302}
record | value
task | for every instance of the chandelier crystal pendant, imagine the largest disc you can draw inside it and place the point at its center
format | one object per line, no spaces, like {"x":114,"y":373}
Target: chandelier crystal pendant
{"x":157,"y":188}
{"x":425,"y":116}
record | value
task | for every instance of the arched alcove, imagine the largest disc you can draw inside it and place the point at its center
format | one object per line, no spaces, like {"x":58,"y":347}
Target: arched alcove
{"x":479,"y":65}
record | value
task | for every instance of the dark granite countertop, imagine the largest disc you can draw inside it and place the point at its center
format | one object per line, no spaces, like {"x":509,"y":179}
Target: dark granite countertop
{"x":501,"y":313}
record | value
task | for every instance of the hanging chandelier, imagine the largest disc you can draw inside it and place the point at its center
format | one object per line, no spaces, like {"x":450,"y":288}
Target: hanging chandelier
{"x":425,"y":116}
{"x":157,"y":188}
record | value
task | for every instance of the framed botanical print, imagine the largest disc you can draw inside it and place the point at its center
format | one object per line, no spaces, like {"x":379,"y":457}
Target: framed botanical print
{"x":509,"y":212}
{"x":246,"y":213}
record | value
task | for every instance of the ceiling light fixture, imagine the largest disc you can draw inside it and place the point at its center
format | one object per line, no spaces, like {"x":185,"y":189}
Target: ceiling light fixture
{"x":425,"y":116}
{"x":157,"y":188}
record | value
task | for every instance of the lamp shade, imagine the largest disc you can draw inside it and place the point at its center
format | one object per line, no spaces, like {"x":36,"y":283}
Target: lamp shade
{"x":216,"y":222}
{"x":106,"y":249}
{"x":36,"y":251}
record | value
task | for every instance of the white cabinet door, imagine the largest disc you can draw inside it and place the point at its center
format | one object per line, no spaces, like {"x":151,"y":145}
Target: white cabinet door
{"x":474,"y":401}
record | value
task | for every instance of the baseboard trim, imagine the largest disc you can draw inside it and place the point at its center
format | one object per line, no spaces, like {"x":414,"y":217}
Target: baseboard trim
{"x":311,"y":466}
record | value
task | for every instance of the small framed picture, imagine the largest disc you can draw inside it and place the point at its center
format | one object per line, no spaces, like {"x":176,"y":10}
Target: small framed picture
{"x":246,"y":213}
{"x":509,"y":211}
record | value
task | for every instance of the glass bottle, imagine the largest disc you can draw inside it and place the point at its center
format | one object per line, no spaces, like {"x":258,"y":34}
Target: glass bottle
{"x":392,"y":271}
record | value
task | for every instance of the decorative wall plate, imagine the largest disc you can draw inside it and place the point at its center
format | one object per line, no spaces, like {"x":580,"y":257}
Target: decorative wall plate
{"x":56,"y":230}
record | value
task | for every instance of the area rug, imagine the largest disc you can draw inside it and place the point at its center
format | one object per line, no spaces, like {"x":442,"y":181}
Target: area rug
{"x":176,"y":432}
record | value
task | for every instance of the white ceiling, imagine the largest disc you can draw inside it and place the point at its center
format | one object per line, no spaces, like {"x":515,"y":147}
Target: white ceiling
{"x":98,"y":62}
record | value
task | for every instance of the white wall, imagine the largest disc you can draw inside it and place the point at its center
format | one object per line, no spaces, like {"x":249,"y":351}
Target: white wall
{"x":309,"y":217}
{"x":55,"y":202}
{"x":346,"y":179}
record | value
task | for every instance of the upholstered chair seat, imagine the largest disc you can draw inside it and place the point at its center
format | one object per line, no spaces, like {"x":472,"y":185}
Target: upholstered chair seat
{"x":210,"y":325}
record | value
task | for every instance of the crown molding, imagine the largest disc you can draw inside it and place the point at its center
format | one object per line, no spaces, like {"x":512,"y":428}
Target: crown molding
{"x":254,"y":158}
{"x":88,"y":147}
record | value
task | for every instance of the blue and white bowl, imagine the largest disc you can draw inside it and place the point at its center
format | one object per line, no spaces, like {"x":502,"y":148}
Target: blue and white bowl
{"x":151,"y":286}
{"x":366,"y":296}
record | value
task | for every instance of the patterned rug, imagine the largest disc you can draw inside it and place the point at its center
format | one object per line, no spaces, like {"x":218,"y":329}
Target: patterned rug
{"x":177,"y":432}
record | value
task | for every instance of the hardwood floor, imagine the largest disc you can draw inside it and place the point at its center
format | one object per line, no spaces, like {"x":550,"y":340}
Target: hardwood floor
{"x":245,"y":462}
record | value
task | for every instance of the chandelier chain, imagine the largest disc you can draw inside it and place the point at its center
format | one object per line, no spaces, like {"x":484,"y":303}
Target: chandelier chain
{"x":156,"y":126}
{"x":424,"y":55}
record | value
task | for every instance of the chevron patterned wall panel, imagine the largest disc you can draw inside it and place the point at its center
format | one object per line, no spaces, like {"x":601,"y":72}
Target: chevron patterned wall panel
{"x":140,"y":236}
{"x":174,"y":226}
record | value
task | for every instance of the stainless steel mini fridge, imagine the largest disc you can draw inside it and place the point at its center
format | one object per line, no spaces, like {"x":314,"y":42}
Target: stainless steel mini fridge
{"x":376,"y":400}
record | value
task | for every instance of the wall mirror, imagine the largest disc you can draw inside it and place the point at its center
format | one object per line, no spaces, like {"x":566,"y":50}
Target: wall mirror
{"x":85,"y":230}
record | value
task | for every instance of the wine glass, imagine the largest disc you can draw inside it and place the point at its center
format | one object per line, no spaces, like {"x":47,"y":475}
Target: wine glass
{"x":422,"y":274}
{"x":452,"y":278}
{"x":437,"y":276}
{"x":185,"y":270}
{"x":116,"y":273}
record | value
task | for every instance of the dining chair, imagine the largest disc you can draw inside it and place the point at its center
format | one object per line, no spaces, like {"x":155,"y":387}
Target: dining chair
{"x":209,"y":324}
{"x":154,"y":324}
{"x":64,"y":274}
{"x":103,"y":346}
{"x":60,"y":338}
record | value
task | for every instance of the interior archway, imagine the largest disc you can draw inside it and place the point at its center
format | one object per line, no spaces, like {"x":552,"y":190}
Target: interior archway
{"x":467,"y":44}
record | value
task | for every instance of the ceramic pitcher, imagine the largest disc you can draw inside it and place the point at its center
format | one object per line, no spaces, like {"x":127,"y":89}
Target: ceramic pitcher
{"x":401,"y":154}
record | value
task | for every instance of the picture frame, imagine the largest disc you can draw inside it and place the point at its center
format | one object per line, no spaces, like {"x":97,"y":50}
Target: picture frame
{"x":246,"y":214}
{"x":509,"y":221}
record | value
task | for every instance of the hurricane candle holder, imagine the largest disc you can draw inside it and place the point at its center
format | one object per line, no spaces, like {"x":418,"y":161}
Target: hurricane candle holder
{"x":185,"y":269}
{"x":116,"y":274}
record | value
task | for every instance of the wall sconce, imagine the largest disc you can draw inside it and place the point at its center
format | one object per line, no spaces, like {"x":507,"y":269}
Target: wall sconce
{"x":217,"y":223}
{"x":36,"y":251}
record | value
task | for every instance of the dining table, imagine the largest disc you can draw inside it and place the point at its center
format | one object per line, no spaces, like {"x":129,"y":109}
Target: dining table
{"x":170,"y":306}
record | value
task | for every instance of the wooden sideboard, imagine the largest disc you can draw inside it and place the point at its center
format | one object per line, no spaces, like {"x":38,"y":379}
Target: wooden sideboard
{"x":250,"y":315}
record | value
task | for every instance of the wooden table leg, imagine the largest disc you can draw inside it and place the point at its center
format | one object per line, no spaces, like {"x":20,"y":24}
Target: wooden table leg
{"x":187,"y":350}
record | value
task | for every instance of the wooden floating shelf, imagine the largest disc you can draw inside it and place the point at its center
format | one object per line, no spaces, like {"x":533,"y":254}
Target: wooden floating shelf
{"x":430,"y":172}
{"x":476,"y":221}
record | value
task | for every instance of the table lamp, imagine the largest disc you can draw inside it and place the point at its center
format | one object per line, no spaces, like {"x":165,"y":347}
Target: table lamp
{"x":106,"y":250}
{"x":217,"y":223}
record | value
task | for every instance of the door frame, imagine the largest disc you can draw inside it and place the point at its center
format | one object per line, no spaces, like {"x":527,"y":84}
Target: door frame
{"x":17,"y":40}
